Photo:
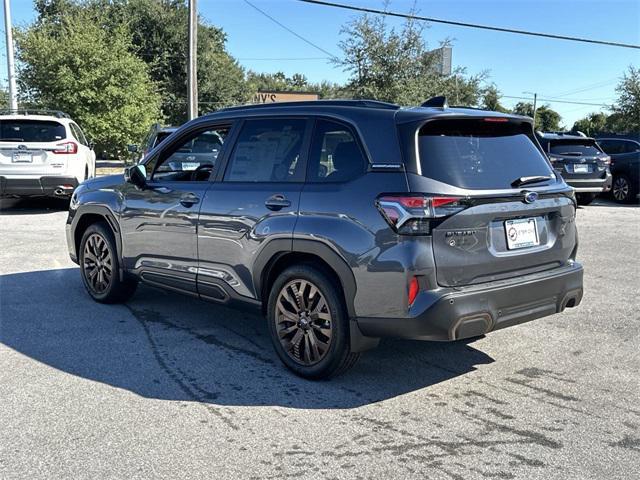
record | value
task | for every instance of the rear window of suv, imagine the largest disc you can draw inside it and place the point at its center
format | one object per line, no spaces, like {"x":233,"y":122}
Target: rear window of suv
{"x":574,"y":147}
{"x":31,"y":131}
{"x":479,"y":154}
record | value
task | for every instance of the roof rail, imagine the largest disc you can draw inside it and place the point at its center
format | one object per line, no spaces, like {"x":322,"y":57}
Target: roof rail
{"x":34,"y":111}
{"x":436,"y":102}
{"x":333,"y":103}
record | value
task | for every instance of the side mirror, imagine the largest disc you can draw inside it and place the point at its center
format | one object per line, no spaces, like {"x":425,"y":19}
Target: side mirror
{"x":136,"y":175}
{"x":92,"y":144}
{"x":132,"y":148}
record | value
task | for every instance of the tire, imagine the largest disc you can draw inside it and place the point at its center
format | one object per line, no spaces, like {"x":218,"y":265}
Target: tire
{"x":313,"y":323}
{"x":585,"y":198}
{"x":100,"y":266}
{"x":623,"y":191}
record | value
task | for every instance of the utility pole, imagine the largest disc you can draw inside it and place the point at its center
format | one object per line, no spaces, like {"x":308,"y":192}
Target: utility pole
{"x":535,"y":101}
{"x":192,"y":65}
{"x":11,"y":70}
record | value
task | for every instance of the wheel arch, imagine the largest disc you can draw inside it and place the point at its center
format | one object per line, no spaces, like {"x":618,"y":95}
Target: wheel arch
{"x":88,"y":215}
{"x":280,"y":254}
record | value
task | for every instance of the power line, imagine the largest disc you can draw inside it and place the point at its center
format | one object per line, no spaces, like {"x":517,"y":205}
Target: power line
{"x":309,"y":42}
{"x":550,"y":100}
{"x":282,"y":58}
{"x":469,"y":25}
{"x":586,"y":88}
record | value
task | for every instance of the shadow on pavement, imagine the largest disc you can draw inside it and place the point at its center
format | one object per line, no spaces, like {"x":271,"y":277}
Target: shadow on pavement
{"x":166,"y":346}
{"x":607,"y":201}
{"x":32,"y":205}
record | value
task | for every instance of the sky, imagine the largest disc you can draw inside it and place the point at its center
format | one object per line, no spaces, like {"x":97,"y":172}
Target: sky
{"x":558,"y":70}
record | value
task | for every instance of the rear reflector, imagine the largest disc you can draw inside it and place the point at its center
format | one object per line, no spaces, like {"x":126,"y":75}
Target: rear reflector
{"x":414,"y":287}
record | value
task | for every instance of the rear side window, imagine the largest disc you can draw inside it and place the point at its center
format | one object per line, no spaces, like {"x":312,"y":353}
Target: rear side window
{"x":78,"y":134}
{"x":576,"y":148}
{"x":31,"y":131}
{"x":479,"y":154}
{"x":268,"y":151}
{"x":335,"y":154}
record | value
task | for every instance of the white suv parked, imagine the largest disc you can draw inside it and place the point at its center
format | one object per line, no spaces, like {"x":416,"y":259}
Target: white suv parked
{"x":42,"y":153}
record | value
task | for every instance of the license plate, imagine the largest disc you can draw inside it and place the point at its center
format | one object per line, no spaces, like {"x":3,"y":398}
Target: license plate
{"x":580,"y":168}
{"x":22,"y":158}
{"x":521,"y":233}
{"x":190,"y":165}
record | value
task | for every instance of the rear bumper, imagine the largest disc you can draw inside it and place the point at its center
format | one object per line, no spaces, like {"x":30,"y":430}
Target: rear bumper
{"x":591,"y":185}
{"x":55,"y":186}
{"x":453,"y":314}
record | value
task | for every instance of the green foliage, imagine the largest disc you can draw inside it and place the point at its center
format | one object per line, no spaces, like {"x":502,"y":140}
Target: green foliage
{"x":592,"y":124}
{"x":158,"y":32}
{"x":296,"y":83}
{"x":69,"y":62}
{"x":491,"y":99}
{"x":627,"y":106}
{"x":547,"y":119}
{"x":395,"y":65}
{"x":4,"y":98}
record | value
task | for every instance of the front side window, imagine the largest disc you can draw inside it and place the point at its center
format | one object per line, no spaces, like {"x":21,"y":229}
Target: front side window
{"x":193,"y":159}
{"x":31,"y":131}
{"x":479,"y":154}
{"x":267,"y":150}
{"x":630,"y":147}
{"x":335,"y":154}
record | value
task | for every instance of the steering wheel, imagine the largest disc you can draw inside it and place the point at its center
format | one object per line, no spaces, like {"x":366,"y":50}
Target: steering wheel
{"x":205,"y":167}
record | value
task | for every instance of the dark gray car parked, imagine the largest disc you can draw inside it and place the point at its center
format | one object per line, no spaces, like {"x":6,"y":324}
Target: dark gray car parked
{"x":625,"y":166}
{"x":343,"y":222}
{"x":581,"y":162}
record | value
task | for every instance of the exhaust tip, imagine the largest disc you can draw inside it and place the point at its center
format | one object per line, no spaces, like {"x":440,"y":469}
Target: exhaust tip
{"x":63,"y":190}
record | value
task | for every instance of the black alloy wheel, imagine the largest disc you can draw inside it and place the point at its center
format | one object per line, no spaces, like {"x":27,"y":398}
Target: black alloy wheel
{"x":304,"y":323}
{"x":100,"y":266}
{"x":308,"y":322}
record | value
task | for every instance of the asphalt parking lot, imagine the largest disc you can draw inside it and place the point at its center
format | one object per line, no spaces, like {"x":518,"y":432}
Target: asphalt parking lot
{"x":169,"y":387}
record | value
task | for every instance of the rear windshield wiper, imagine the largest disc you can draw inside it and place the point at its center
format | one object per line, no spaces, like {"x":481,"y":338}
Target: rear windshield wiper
{"x":572,"y":154}
{"x":12,"y":139}
{"x":518,"y":182}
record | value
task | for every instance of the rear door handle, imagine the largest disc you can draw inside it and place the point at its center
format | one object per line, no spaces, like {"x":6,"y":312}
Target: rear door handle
{"x":277,"y":202}
{"x":189,"y":200}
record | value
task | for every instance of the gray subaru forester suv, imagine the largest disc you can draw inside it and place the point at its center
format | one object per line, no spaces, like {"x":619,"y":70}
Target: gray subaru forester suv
{"x":343,"y":222}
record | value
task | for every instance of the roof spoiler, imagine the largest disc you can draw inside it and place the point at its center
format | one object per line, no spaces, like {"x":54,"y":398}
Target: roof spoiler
{"x":436,"y":102}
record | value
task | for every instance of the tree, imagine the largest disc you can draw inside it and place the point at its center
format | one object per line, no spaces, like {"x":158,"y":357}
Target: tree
{"x":4,"y":98}
{"x":159,"y":36}
{"x":592,"y":124}
{"x":72,"y":64}
{"x":396,"y":66}
{"x":296,"y":83}
{"x":547,"y":119}
{"x":627,"y":106}
{"x":491,"y":99}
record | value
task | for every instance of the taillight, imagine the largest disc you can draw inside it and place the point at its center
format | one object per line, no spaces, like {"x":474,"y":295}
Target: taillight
{"x":606,"y":160}
{"x":411,"y":214}
{"x":66,"y":148}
